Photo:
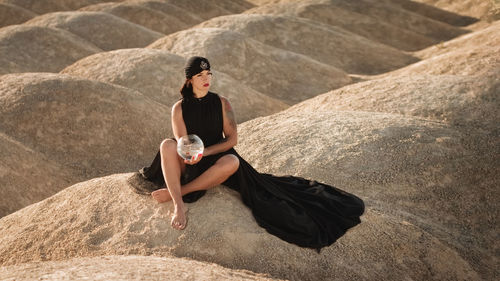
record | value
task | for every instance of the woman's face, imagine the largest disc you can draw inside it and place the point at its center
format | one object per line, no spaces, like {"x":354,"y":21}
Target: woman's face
{"x":202,"y":80}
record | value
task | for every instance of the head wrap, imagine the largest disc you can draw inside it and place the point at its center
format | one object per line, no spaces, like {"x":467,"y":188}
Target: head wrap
{"x":196,"y":65}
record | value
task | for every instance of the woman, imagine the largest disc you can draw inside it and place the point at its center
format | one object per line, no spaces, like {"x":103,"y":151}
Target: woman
{"x":196,"y":98}
{"x":307,"y":213}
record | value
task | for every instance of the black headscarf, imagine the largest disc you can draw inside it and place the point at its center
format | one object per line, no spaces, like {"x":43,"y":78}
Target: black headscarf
{"x":196,"y":65}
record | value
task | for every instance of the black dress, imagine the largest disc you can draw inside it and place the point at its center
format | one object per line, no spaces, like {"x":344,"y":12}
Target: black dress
{"x":306,"y":213}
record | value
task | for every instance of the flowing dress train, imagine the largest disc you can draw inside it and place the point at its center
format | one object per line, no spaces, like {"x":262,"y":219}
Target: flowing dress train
{"x":300,"y":211}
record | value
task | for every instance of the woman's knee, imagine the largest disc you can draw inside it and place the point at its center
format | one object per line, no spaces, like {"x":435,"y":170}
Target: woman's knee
{"x":168,"y":146}
{"x":231,"y":163}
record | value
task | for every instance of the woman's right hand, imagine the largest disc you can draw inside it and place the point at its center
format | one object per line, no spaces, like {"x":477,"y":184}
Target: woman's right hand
{"x":193,"y":160}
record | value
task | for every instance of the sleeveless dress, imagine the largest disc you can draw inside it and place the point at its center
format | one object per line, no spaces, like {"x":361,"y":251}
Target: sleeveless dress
{"x":306,"y":213}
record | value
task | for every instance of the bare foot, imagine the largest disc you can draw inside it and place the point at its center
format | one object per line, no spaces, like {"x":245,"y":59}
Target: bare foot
{"x":161,"y":195}
{"x":179,"y":219}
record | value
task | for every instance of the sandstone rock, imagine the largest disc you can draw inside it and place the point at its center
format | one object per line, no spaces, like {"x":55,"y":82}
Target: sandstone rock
{"x":139,"y":267}
{"x":433,"y":12}
{"x":400,"y":166}
{"x":89,"y":127}
{"x":396,"y":23}
{"x":325,"y":43}
{"x":402,"y":18}
{"x":144,"y":14}
{"x":287,"y":76}
{"x":48,"y":50}
{"x":474,"y":54}
{"x":159,"y":75}
{"x":485,"y":9}
{"x":207,"y":9}
{"x":106,"y":31}
{"x":357,"y":23}
{"x":12,"y":14}
{"x":27,"y":177}
{"x":458,"y":100}
{"x":48,"y":6}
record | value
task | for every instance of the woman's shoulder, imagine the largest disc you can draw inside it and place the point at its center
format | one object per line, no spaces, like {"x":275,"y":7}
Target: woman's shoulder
{"x":177,"y":106}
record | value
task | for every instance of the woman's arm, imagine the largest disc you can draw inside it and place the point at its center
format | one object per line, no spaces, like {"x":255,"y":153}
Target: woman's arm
{"x":229,"y":128}
{"x":178,"y":126}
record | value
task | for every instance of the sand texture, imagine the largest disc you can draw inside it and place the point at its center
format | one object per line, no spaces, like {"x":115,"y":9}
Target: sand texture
{"x":111,"y":268}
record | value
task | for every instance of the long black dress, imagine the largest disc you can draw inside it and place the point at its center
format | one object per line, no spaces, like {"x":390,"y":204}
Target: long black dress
{"x":306,"y":213}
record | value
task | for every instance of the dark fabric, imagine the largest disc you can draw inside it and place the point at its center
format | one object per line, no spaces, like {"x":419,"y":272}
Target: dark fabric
{"x":195,"y":65}
{"x":306,"y":213}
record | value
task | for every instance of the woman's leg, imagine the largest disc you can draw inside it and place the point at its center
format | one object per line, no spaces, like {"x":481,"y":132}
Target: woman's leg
{"x":172,"y":167}
{"x":215,"y":175}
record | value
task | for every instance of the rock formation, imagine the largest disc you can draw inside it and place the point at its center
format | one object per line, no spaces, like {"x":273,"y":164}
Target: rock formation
{"x":159,"y":75}
{"x":51,"y":50}
{"x":106,"y":31}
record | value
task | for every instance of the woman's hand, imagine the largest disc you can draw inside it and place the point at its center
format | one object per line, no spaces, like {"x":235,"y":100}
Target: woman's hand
{"x":194,"y":159}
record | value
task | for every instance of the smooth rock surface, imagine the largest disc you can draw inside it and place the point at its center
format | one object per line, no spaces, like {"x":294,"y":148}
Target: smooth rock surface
{"x":106,"y":31}
{"x":269,"y":70}
{"x":51,"y":49}
{"x":159,"y":75}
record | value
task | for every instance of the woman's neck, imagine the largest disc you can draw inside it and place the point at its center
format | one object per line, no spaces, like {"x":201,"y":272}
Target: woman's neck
{"x":199,"y":94}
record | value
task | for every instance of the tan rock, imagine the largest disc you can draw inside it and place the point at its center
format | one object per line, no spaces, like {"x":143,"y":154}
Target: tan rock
{"x":402,"y":18}
{"x":159,"y":75}
{"x":106,"y":31}
{"x":395,"y":163}
{"x":284,"y":75}
{"x":207,"y":9}
{"x":433,"y":12}
{"x":90,"y":127}
{"x":12,"y":14}
{"x":458,"y":100}
{"x":145,"y":13}
{"x":40,"y":49}
{"x":395,"y":22}
{"x":138,"y":267}
{"x":27,"y":177}
{"x":485,"y":9}
{"x":357,"y":23}
{"x":401,"y":166}
{"x":473,"y":54}
{"x":325,"y":43}
{"x":48,"y":6}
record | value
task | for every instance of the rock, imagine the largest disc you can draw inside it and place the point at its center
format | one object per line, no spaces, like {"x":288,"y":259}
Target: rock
{"x":484,"y":9}
{"x":27,"y":177}
{"x":48,"y":50}
{"x":111,"y":268}
{"x":474,"y":54}
{"x":403,"y":18}
{"x":325,"y":43}
{"x":159,"y":75}
{"x":401,"y":166}
{"x":433,"y":12}
{"x":106,"y":31}
{"x":402,"y":29}
{"x":166,"y":20}
{"x":48,"y":6}
{"x":207,"y":9}
{"x":459,"y":100}
{"x":88,"y":127}
{"x":266,"y":69}
{"x":12,"y":14}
